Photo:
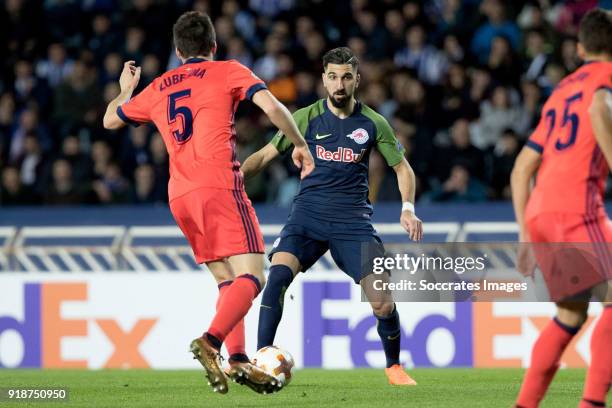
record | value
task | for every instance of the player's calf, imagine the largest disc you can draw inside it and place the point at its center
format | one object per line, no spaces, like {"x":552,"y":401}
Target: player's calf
{"x":271,"y":309}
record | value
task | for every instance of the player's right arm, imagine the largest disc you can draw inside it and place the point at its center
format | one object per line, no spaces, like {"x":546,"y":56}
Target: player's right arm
{"x":128,"y":81}
{"x":280,"y":116}
{"x":525,"y":167}
{"x":600,"y":112}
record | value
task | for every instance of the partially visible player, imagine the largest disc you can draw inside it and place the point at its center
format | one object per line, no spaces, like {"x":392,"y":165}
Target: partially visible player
{"x":193,"y":108}
{"x":332,"y":211}
{"x":571,"y":150}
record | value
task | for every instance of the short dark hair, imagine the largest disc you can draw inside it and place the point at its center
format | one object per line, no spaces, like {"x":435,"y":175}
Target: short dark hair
{"x":194,"y":34}
{"x":340,"y":55}
{"x":595,"y":33}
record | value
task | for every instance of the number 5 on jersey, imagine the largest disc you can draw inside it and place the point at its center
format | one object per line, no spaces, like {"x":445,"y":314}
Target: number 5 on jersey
{"x":174,"y":111}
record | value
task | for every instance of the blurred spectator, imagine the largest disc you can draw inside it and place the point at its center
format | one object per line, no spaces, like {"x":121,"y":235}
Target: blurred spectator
{"x":284,"y":86}
{"x":29,"y":89}
{"x":496,"y":25}
{"x":382,"y":180}
{"x":243,"y":20}
{"x":101,"y":155}
{"x":453,"y":50}
{"x":138,"y":147}
{"x":305,"y":84}
{"x":7,"y":113}
{"x":76,"y":99}
{"x":63,"y":190}
{"x":455,"y":99}
{"x":266,"y":67}
{"x":502,"y":62}
{"x":150,"y":68}
{"x":32,"y":163}
{"x":447,"y":15}
{"x":112,"y":187}
{"x":104,"y":40}
{"x":145,"y":189}
{"x":28,"y":124}
{"x":395,"y":26}
{"x":133,"y":47}
{"x":56,"y":67}
{"x":536,"y":55}
{"x":503,"y":157}
{"x":496,"y":114}
{"x":372,"y":32}
{"x":12,"y":191}
{"x":460,"y":149}
{"x":113,"y":64}
{"x":459,"y":187}
{"x":159,"y":160}
{"x":429,"y":63}
{"x":569,"y":55}
{"x":552,"y":76}
{"x":81,"y":163}
{"x":236,"y":49}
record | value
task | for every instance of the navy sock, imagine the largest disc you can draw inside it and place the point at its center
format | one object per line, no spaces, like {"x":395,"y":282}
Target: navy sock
{"x":271,"y":309}
{"x":216,"y":343}
{"x":388,"y":328}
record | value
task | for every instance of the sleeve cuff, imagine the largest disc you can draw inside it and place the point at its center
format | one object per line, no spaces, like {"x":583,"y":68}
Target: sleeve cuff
{"x":535,"y":146}
{"x":124,"y":117}
{"x":254,"y":89}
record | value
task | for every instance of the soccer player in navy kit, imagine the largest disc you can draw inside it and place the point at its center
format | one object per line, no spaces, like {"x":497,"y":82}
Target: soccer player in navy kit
{"x":331,"y":210}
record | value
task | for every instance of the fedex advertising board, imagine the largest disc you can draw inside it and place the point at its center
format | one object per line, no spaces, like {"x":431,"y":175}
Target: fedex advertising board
{"x":136,"y":320}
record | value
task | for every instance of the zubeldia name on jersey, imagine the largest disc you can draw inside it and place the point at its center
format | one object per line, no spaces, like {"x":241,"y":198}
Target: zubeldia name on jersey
{"x":342,"y":154}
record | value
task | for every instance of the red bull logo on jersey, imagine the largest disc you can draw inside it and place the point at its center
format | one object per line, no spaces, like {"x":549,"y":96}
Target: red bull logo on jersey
{"x":342,"y":154}
{"x":360,"y":136}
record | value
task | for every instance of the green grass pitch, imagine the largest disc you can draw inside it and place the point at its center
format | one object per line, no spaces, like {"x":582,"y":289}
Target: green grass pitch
{"x":309,"y":388}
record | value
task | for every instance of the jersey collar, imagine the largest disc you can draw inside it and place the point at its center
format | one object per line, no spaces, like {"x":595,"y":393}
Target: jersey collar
{"x":356,"y":108}
{"x":195,"y":60}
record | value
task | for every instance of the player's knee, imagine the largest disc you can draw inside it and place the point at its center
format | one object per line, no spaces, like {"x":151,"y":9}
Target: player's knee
{"x":382,"y":309}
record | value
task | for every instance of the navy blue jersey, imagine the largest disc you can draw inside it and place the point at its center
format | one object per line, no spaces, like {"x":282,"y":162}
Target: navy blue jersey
{"x":338,"y":187}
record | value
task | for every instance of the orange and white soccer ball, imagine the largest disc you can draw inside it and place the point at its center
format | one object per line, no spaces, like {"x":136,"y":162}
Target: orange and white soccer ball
{"x":275,"y":362}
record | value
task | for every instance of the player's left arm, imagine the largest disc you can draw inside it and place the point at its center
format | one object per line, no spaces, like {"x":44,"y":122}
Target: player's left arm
{"x":406,"y":182}
{"x":259,"y":160}
{"x":600,"y":112}
{"x":128,"y":81}
{"x":393,"y":152}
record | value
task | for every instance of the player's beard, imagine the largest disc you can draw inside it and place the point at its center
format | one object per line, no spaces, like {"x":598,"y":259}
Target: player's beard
{"x":342,"y":102}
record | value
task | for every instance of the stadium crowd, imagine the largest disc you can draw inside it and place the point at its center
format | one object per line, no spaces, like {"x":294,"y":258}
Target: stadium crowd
{"x":461,"y":81}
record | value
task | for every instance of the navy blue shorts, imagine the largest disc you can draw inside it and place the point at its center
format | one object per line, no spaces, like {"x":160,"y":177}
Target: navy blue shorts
{"x":352,"y":246}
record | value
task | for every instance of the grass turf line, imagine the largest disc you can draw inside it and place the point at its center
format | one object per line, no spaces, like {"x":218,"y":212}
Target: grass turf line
{"x":437,"y":387}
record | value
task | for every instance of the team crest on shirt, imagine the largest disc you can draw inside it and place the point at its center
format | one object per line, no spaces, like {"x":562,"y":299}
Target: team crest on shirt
{"x":360,"y":136}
